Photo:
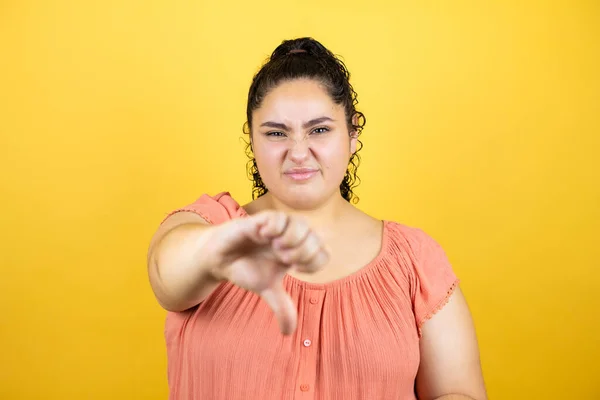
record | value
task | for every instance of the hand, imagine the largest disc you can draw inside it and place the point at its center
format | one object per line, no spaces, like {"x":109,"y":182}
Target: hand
{"x":255,"y":253}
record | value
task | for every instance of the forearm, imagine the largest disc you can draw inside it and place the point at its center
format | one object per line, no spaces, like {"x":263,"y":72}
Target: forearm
{"x":180,"y":267}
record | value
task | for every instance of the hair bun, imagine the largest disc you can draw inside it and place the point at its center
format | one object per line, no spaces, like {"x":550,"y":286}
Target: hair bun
{"x":296,"y":51}
{"x":305,"y":45}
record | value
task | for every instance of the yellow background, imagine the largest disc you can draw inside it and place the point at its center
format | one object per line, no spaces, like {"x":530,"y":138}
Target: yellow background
{"x":482,"y":129}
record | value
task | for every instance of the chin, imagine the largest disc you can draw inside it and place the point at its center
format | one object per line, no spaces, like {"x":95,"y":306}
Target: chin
{"x":302,"y":197}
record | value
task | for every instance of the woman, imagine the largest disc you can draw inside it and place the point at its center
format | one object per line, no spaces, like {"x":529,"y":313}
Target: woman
{"x":298,"y":294}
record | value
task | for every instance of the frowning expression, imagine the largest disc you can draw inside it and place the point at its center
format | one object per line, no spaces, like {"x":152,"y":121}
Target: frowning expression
{"x":301,"y":142}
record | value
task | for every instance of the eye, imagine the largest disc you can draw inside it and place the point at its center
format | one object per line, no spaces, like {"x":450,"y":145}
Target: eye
{"x":320,"y":131}
{"x":275,"y":134}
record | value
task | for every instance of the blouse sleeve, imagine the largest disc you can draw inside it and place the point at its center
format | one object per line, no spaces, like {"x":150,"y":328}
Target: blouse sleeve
{"x":432,"y":278}
{"x":213,"y":209}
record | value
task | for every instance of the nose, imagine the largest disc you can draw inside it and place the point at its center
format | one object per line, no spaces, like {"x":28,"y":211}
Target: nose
{"x":299,"y":151}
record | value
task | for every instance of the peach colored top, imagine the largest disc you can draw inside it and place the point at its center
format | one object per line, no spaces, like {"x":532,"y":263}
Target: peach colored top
{"x":357,"y":337}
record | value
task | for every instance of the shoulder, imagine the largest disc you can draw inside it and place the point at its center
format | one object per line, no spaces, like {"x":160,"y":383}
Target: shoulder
{"x":414,"y":238}
{"x":420,"y":252}
{"x":215,"y":209}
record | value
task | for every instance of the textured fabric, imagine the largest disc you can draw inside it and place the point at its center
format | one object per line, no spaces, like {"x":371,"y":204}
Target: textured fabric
{"x":357,"y":337}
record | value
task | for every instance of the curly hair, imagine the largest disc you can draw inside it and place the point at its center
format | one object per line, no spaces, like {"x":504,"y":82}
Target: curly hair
{"x":306,"y":58}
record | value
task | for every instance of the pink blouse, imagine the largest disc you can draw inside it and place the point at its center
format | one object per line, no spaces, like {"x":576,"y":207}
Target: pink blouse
{"x":357,"y":337}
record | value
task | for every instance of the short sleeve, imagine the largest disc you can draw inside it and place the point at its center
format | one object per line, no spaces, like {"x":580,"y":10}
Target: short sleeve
{"x":213,"y":209}
{"x":433,"y":279}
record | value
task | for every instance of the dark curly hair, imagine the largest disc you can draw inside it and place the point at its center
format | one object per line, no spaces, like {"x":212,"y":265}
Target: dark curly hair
{"x":306,"y":58}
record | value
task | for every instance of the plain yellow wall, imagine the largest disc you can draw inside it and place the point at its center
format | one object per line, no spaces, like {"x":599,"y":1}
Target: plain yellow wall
{"x":482,"y":129}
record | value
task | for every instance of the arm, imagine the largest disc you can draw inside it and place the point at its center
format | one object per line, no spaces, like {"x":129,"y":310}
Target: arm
{"x":450,"y":368}
{"x":188,"y":258}
{"x":180,"y":262}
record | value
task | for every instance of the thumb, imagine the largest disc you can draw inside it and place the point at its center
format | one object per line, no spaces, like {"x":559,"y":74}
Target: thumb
{"x":283,"y":307}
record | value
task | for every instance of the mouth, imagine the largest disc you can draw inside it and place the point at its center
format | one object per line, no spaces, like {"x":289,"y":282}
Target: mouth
{"x":301,"y":174}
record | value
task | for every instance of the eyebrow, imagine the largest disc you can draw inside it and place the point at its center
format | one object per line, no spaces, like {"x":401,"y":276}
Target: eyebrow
{"x":312,"y":122}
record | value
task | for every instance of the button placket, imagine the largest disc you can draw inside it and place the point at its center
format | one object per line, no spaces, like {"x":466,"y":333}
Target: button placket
{"x":308,"y":347}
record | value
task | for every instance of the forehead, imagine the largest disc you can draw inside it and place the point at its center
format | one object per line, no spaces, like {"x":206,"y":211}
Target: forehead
{"x":297,"y":99}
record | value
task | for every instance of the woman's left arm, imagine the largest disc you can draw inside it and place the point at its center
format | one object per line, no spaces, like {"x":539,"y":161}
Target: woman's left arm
{"x":450,"y":367}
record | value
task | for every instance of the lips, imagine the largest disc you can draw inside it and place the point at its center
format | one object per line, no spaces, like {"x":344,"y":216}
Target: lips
{"x":301,"y":174}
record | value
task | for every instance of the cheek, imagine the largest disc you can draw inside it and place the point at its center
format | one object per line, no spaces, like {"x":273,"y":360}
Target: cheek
{"x":269,"y":153}
{"x":333,"y":158}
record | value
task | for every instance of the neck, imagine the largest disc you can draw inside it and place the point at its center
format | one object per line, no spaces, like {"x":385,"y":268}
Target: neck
{"x":321,"y":218}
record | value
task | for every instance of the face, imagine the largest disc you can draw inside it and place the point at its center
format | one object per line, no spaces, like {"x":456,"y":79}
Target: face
{"x":301,"y":143}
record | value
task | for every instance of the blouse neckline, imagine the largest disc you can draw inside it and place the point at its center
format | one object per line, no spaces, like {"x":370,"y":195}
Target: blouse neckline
{"x":344,"y":280}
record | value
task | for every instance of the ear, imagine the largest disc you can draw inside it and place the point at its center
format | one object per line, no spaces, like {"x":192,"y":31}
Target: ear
{"x":353,"y":142}
{"x":354,"y":135}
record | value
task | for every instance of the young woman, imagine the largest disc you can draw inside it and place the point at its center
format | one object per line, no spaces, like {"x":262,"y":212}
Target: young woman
{"x":298,"y":294}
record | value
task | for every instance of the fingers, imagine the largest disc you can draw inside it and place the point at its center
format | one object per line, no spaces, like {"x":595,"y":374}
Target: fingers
{"x":292,"y":240}
{"x":295,"y":233}
{"x":283,"y":307}
{"x":275,"y":225}
{"x":308,"y":256}
{"x":315,"y":262}
{"x":260,"y":228}
{"x":296,"y":245}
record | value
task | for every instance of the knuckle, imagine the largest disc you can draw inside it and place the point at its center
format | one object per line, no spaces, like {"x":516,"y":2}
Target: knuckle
{"x":296,"y":233}
{"x":313,"y":239}
{"x":303,"y":228}
{"x":273,"y":215}
{"x":283,"y":221}
{"x":309,"y":252}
